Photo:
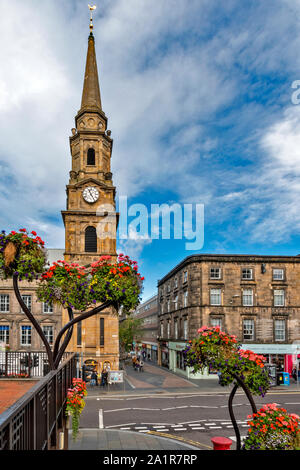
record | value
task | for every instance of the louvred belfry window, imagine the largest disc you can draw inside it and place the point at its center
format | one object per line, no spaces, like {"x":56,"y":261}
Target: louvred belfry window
{"x":90,"y":240}
{"x":91,"y":157}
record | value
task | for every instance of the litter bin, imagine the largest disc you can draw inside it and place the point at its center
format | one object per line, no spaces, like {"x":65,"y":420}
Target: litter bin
{"x":286,"y":378}
{"x":279,"y":378}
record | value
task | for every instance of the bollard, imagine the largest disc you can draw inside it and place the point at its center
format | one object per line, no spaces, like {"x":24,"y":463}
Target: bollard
{"x":221,"y":443}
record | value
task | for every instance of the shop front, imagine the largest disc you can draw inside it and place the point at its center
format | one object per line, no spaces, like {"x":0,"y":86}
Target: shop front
{"x":164,"y":350}
{"x":177,"y":362}
{"x":284,"y":356}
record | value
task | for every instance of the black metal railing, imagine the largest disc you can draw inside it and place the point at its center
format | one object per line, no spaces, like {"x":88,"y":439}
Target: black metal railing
{"x":19,"y":364}
{"x":35,"y":421}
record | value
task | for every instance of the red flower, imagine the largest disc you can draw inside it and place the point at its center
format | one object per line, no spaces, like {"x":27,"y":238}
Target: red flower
{"x":33,"y":233}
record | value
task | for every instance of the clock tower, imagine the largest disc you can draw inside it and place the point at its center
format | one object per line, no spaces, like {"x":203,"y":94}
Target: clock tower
{"x":90,"y":218}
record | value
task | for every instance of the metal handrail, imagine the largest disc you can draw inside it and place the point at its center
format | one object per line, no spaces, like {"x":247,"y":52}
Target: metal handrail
{"x":33,"y":422}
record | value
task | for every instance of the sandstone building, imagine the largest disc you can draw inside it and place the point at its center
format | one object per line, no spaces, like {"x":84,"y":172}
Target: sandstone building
{"x":147,"y":311}
{"x":90,"y":221}
{"x":16,"y":331}
{"x":256,"y":298}
{"x":90,"y":217}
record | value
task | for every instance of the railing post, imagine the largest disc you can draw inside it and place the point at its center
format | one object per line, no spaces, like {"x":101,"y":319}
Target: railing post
{"x":6,"y":363}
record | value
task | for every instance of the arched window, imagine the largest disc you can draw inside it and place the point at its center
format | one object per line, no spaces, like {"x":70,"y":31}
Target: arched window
{"x":90,"y":240}
{"x":91,"y":157}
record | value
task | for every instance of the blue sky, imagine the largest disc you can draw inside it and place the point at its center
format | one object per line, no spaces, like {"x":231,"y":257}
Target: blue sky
{"x":198,"y":97}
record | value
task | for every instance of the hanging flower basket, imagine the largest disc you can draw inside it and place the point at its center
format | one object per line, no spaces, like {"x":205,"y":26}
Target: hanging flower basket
{"x":75,"y":403}
{"x":22,"y":253}
{"x":272,"y":428}
{"x":76,"y":287}
{"x":117,"y":281}
{"x":220,"y":351}
{"x":66,"y":284}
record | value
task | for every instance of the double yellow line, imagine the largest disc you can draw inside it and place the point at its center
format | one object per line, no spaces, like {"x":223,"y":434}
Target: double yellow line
{"x":178,"y":438}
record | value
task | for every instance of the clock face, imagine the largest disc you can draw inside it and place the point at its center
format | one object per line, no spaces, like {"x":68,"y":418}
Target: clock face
{"x":90,"y":194}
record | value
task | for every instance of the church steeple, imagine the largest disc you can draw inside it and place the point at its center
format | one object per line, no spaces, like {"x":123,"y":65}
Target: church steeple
{"x":90,"y":185}
{"x":91,"y":99}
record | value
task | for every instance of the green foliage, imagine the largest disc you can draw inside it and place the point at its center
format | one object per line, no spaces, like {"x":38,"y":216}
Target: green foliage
{"x":129,"y":330}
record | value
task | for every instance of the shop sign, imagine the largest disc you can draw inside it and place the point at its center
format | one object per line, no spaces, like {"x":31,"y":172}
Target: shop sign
{"x":272,"y":348}
{"x":177,"y":346}
{"x":115,"y":376}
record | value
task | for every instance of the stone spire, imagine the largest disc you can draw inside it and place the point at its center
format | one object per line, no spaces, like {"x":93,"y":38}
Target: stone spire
{"x":91,"y":99}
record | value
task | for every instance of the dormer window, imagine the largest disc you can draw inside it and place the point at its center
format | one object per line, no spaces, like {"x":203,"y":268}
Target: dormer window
{"x":91,"y":157}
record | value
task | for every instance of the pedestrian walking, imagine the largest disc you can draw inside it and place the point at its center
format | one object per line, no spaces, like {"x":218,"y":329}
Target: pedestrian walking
{"x":141,"y":368}
{"x":294,"y":374}
{"x":94,"y":378}
{"x":104,"y":378}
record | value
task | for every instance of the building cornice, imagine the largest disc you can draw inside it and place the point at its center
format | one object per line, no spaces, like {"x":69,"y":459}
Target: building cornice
{"x":228,"y":258}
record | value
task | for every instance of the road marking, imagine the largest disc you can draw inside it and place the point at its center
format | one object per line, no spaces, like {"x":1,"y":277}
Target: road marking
{"x":101,"y":419}
{"x":179,"y":438}
{"x":128,"y":381}
{"x":196,"y":428}
{"x":195,"y":421}
{"x":145,"y":409}
{"x":117,"y":409}
{"x":117,"y":425}
{"x":180,"y":429}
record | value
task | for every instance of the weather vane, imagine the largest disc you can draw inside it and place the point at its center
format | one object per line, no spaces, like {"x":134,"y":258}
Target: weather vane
{"x":92,"y":8}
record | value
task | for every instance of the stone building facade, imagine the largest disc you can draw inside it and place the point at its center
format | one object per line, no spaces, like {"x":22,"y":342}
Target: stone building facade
{"x":256,"y":298}
{"x":147,"y":311}
{"x":16,"y":331}
{"x":90,"y":218}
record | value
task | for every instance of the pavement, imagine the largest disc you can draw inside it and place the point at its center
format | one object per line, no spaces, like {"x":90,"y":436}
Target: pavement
{"x":154,"y":380}
{"x":12,"y":390}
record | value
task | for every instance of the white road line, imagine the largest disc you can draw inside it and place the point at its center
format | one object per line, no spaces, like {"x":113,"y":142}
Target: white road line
{"x":215,"y":427}
{"x":128,"y":381}
{"x":196,"y":428}
{"x":118,"y":425}
{"x":180,"y":429}
{"x":117,"y":409}
{"x":166,"y":409}
{"x":195,"y":421}
{"x":145,"y":409}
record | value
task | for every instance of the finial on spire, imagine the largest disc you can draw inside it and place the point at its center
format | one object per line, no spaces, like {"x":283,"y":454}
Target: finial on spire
{"x":91,"y":7}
